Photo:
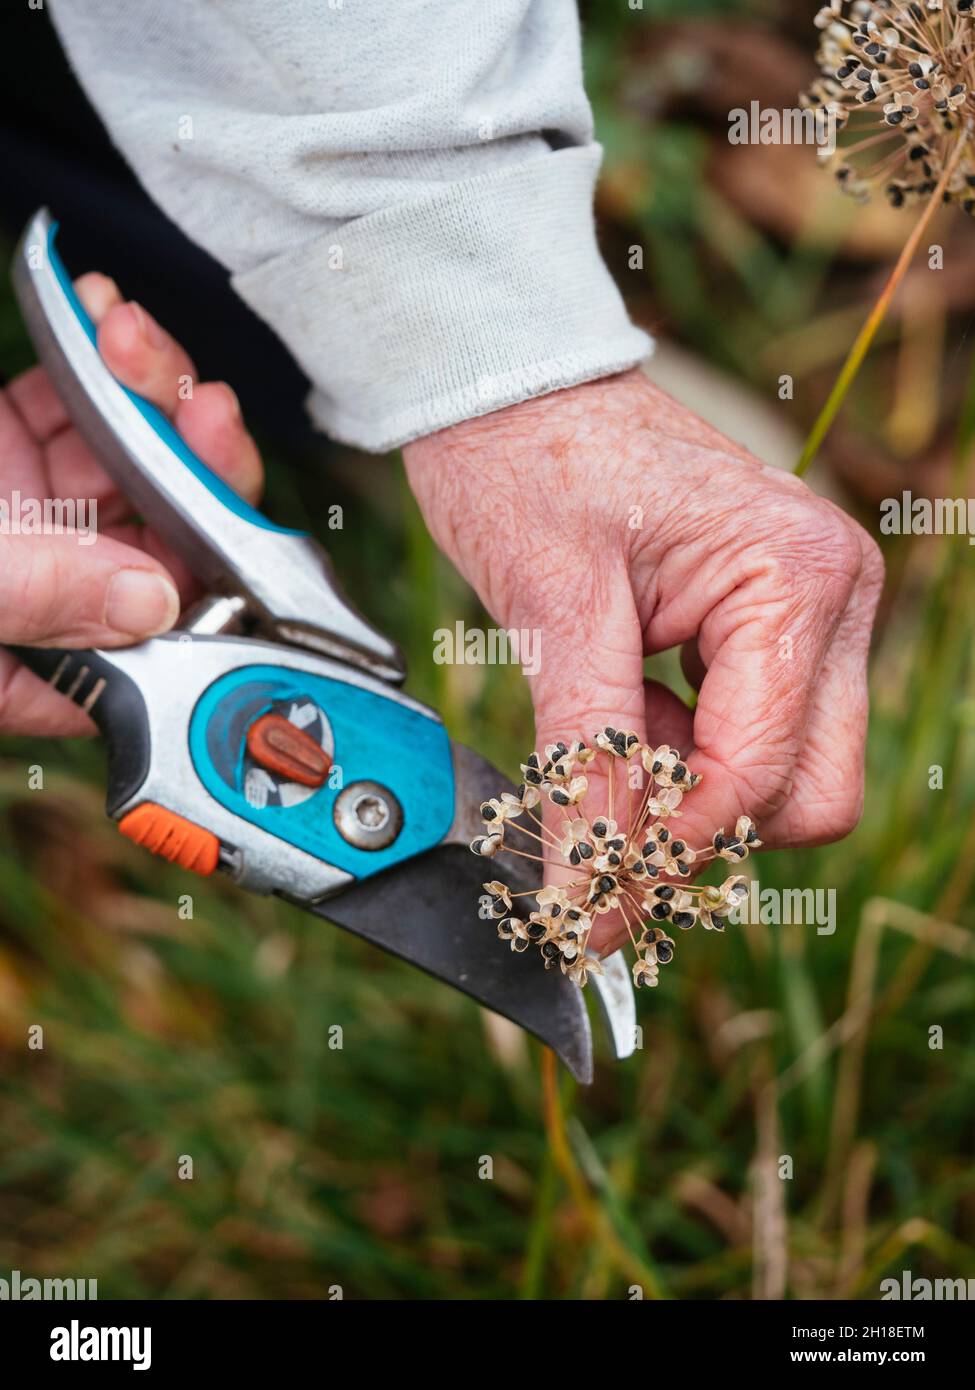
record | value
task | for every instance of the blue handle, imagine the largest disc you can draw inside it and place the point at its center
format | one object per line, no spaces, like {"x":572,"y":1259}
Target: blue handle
{"x":156,"y":419}
{"x":374,"y":738}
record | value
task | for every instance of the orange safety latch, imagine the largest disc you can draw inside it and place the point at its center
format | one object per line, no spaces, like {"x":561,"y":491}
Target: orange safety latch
{"x":282,"y":747}
{"x":172,"y":836}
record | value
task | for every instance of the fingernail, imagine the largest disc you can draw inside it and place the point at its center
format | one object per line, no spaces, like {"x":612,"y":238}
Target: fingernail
{"x":97,"y":293}
{"x":234,"y":400}
{"x":148,"y":327}
{"x":141,"y":603}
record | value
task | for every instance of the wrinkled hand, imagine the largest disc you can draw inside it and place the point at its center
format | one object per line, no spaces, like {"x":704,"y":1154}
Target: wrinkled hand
{"x":126,"y":585}
{"x":618,"y":525}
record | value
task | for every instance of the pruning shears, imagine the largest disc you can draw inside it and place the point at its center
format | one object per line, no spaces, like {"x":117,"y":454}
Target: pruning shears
{"x":268,"y":738}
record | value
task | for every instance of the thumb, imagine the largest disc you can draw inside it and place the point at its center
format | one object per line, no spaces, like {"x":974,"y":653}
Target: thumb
{"x":590,"y":663}
{"x":57,"y":593}
{"x":590,"y":676}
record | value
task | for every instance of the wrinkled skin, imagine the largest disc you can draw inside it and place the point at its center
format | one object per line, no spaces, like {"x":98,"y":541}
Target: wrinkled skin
{"x":770,"y":590}
{"x":607,"y":517}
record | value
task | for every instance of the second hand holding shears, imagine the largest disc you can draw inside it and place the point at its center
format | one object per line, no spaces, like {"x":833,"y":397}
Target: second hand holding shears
{"x":267,"y":737}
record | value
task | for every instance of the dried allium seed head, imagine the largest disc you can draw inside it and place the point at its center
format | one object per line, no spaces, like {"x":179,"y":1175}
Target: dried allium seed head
{"x":612,"y":866}
{"x":899,"y":75}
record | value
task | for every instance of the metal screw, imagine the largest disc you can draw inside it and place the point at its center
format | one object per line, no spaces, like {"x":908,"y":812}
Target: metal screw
{"x":368,"y":815}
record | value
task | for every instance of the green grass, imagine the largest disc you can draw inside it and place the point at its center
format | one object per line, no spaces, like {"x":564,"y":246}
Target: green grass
{"x":315,"y":1166}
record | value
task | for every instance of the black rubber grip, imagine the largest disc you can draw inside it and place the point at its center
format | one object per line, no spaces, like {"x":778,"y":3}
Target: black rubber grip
{"x":114,"y":702}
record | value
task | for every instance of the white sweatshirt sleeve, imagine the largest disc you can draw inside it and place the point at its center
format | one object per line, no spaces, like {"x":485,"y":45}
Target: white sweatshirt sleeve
{"x":402,"y":189}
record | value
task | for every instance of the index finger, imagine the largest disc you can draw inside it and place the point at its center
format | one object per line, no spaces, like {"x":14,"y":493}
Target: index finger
{"x":764,"y":647}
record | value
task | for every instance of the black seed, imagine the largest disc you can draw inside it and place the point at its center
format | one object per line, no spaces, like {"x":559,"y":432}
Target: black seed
{"x":607,"y":883}
{"x":665,"y":891}
{"x":586,"y":851}
{"x":550,"y":951}
{"x":751,"y":837}
{"x":663,"y":836}
{"x":556,"y":910}
{"x":682,"y":868}
{"x":677,"y":848}
{"x":678,"y":773}
{"x":718,"y":842}
{"x":618,"y":843}
{"x":533,"y":760}
{"x":656,"y":768}
{"x":614,"y":859}
{"x":717,"y":922}
{"x":665,"y":952}
{"x":660,"y":911}
{"x":574,"y":856}
{"x":915,"y":69}
{"x":536,"y":931}
{"x":599,"y":828}
{"x":533,"y":777}
{"x":682,"y":920}
{"x":488,"y":813}
{"x":559,"y":797}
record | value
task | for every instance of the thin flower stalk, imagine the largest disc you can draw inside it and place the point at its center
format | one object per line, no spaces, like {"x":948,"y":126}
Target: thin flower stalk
{"x":898,"y":77}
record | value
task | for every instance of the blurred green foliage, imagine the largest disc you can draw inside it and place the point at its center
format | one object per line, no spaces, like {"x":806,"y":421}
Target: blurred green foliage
{"x":358,"y":1167}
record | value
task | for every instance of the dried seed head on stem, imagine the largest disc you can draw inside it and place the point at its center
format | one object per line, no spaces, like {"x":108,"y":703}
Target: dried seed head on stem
{"x":899,"y":78}
{"x":629,"y":869}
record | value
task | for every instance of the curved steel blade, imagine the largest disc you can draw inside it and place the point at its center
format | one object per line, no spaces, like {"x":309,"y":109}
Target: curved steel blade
{"x":426,"y":912}
{"x":614,"y":990}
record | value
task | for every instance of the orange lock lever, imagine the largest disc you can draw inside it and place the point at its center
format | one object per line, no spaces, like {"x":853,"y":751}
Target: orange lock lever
{"x":283,"y":748}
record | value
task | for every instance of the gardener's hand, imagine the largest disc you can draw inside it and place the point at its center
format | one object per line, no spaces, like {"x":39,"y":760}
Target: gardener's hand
{"x":125,"y":586}
{"x":618,"y":524}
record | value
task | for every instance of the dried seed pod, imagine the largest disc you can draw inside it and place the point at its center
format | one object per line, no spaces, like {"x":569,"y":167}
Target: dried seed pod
{"x":612,"y":867}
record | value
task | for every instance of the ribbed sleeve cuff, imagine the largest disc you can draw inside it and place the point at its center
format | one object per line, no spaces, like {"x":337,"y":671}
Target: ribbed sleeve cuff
{"x":489,"y":292}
